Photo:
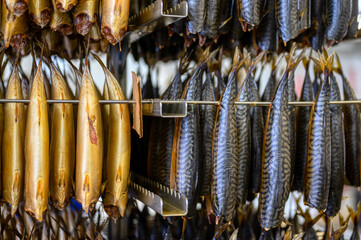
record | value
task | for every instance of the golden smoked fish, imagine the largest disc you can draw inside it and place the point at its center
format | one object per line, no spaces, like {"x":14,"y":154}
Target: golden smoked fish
{"x":89,"y":145}
{"x":37,"y":150}
{"x":65,"y":5}
{"x":62,"y":146}
{"x":40,"y":11}
{"x":15,"y":32}
{"x":61,"y":21}
{"x":118,"y":155}
{"x":13,"y":144}
{"x":17,"y":7}
{"x":85,"y":14}
{"x":114,"y":19}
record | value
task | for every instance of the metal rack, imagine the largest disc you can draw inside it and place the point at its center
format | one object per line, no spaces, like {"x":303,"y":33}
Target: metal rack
{"x":160,"y":198}
{"x":154,"y":17}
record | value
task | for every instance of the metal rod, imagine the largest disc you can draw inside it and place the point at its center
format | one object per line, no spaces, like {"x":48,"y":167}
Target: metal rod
{"x":150,"y":101}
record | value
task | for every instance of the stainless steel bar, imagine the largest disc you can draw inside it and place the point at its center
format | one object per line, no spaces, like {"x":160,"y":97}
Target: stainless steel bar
{"x":149,"y":101}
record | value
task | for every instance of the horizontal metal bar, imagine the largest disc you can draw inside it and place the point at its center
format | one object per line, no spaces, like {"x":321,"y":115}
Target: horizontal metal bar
{"x":150,"y":101}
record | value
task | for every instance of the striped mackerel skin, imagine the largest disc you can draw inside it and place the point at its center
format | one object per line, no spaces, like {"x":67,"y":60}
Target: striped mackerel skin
{"x":250,"y":11}
{"x":243,"y":119}
{"x":318,"y":166}
{"x":188,"y":144}
{"x":276,"y":159}
{"x":337,"y":152}
{"x":352,"y":135}
{"x":287,"y":20}
{"x":302,"y":119}
{"x":225,"y":154}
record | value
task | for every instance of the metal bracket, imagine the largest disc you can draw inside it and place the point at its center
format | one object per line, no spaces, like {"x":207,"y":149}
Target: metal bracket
{"x":160,"y":198}
{"x":165,"y":108}
{"x":154,"y":17}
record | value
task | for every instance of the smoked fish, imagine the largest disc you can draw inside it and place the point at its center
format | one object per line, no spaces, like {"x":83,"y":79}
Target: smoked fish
{"x":353,"y":25}
{"x":208,"y":117}
{"x":13,"y":144}
{"x":61,"y":21}
{"x":302,"y":120}
{"x":318,"y":166}
{"x":15,"y":32}
{"x":37,"y":149}
{"x":167,"y":126}
{"x":118,"y":152}
{"x":269,"y":90}
{"x":338,"y":13}
{"x":185,"y":167}
{"x":250,"y":13}
{"x":196,"y":15}
{"x":89,"y":145}
{"x":114,"y":19}
{"x":211,"y":23}
{"x":40,"y":11}
{"x":225,"y":151}
{"x":287,"y":19}
{"x":62,"y":144}
{"x":266,"y":33}
{"x":318,"y":24}
{"x":17,"y":7}
{"x":276,"y":155}
{"x":65,"y":5}
{"x":337,"y":151}
{"x":85,"y":14}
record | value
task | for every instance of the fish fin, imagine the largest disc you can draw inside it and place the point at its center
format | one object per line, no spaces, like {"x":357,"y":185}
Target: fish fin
{"x":338,"y":68}
{"x":339,"y":232}
{"x":102,"y":186}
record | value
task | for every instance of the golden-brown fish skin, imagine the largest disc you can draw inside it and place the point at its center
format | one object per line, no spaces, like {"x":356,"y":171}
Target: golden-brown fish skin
{"x":85,"y":14}
{"x":17,"y":7}
{"x":40,"y":11}
{"x":118,"y":152}
{"x":65,"y":5}
{"x":15,"y":32}
{"x":61,"y":21}
{"x":13,"y":144}
{"x":62,"y":146}
{"x":89,"y":145}
{"x":114,"y":19}
{"x":37,"y":150}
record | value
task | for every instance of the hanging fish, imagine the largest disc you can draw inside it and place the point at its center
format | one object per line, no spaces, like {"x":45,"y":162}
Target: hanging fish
{"x":318,"y":24}
{"x":337,"y":151}
{"x":208,"y":117}
{"x":13,"y":143}
{"x":118,"y":153}
{"x":114,"y":19}
{"x":15,"y":32}
{"x":167,"y":126}
{"x":62,"y":146}
{"x":85,"y":15}
{"x":196,"y":15}
{"x":353,"y":24}
{"x":226,"y":151}
{"x":287,"y":19}
{"x":309,"y":232}
{"x":65,"y":5}
{"x":318,"y":166}
{"x":266,"y":33}
{"x":211,"y":22}
{"x":257,"y":134}
{"x":276,"y":157}
{"x":40,"y":11}
{"x":186,"y":145}
{"x":292,"y":111}
{"x":89,"y":145}
{"x":61,"y":21}
{"x":338,"y":13}
{"x":243,"y":120}
{"x":302,"y":120}
{"x":37,"y":149}
{"x":17,"y":7}
{"x":352,"y":124}
{"x":250,"y":13}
